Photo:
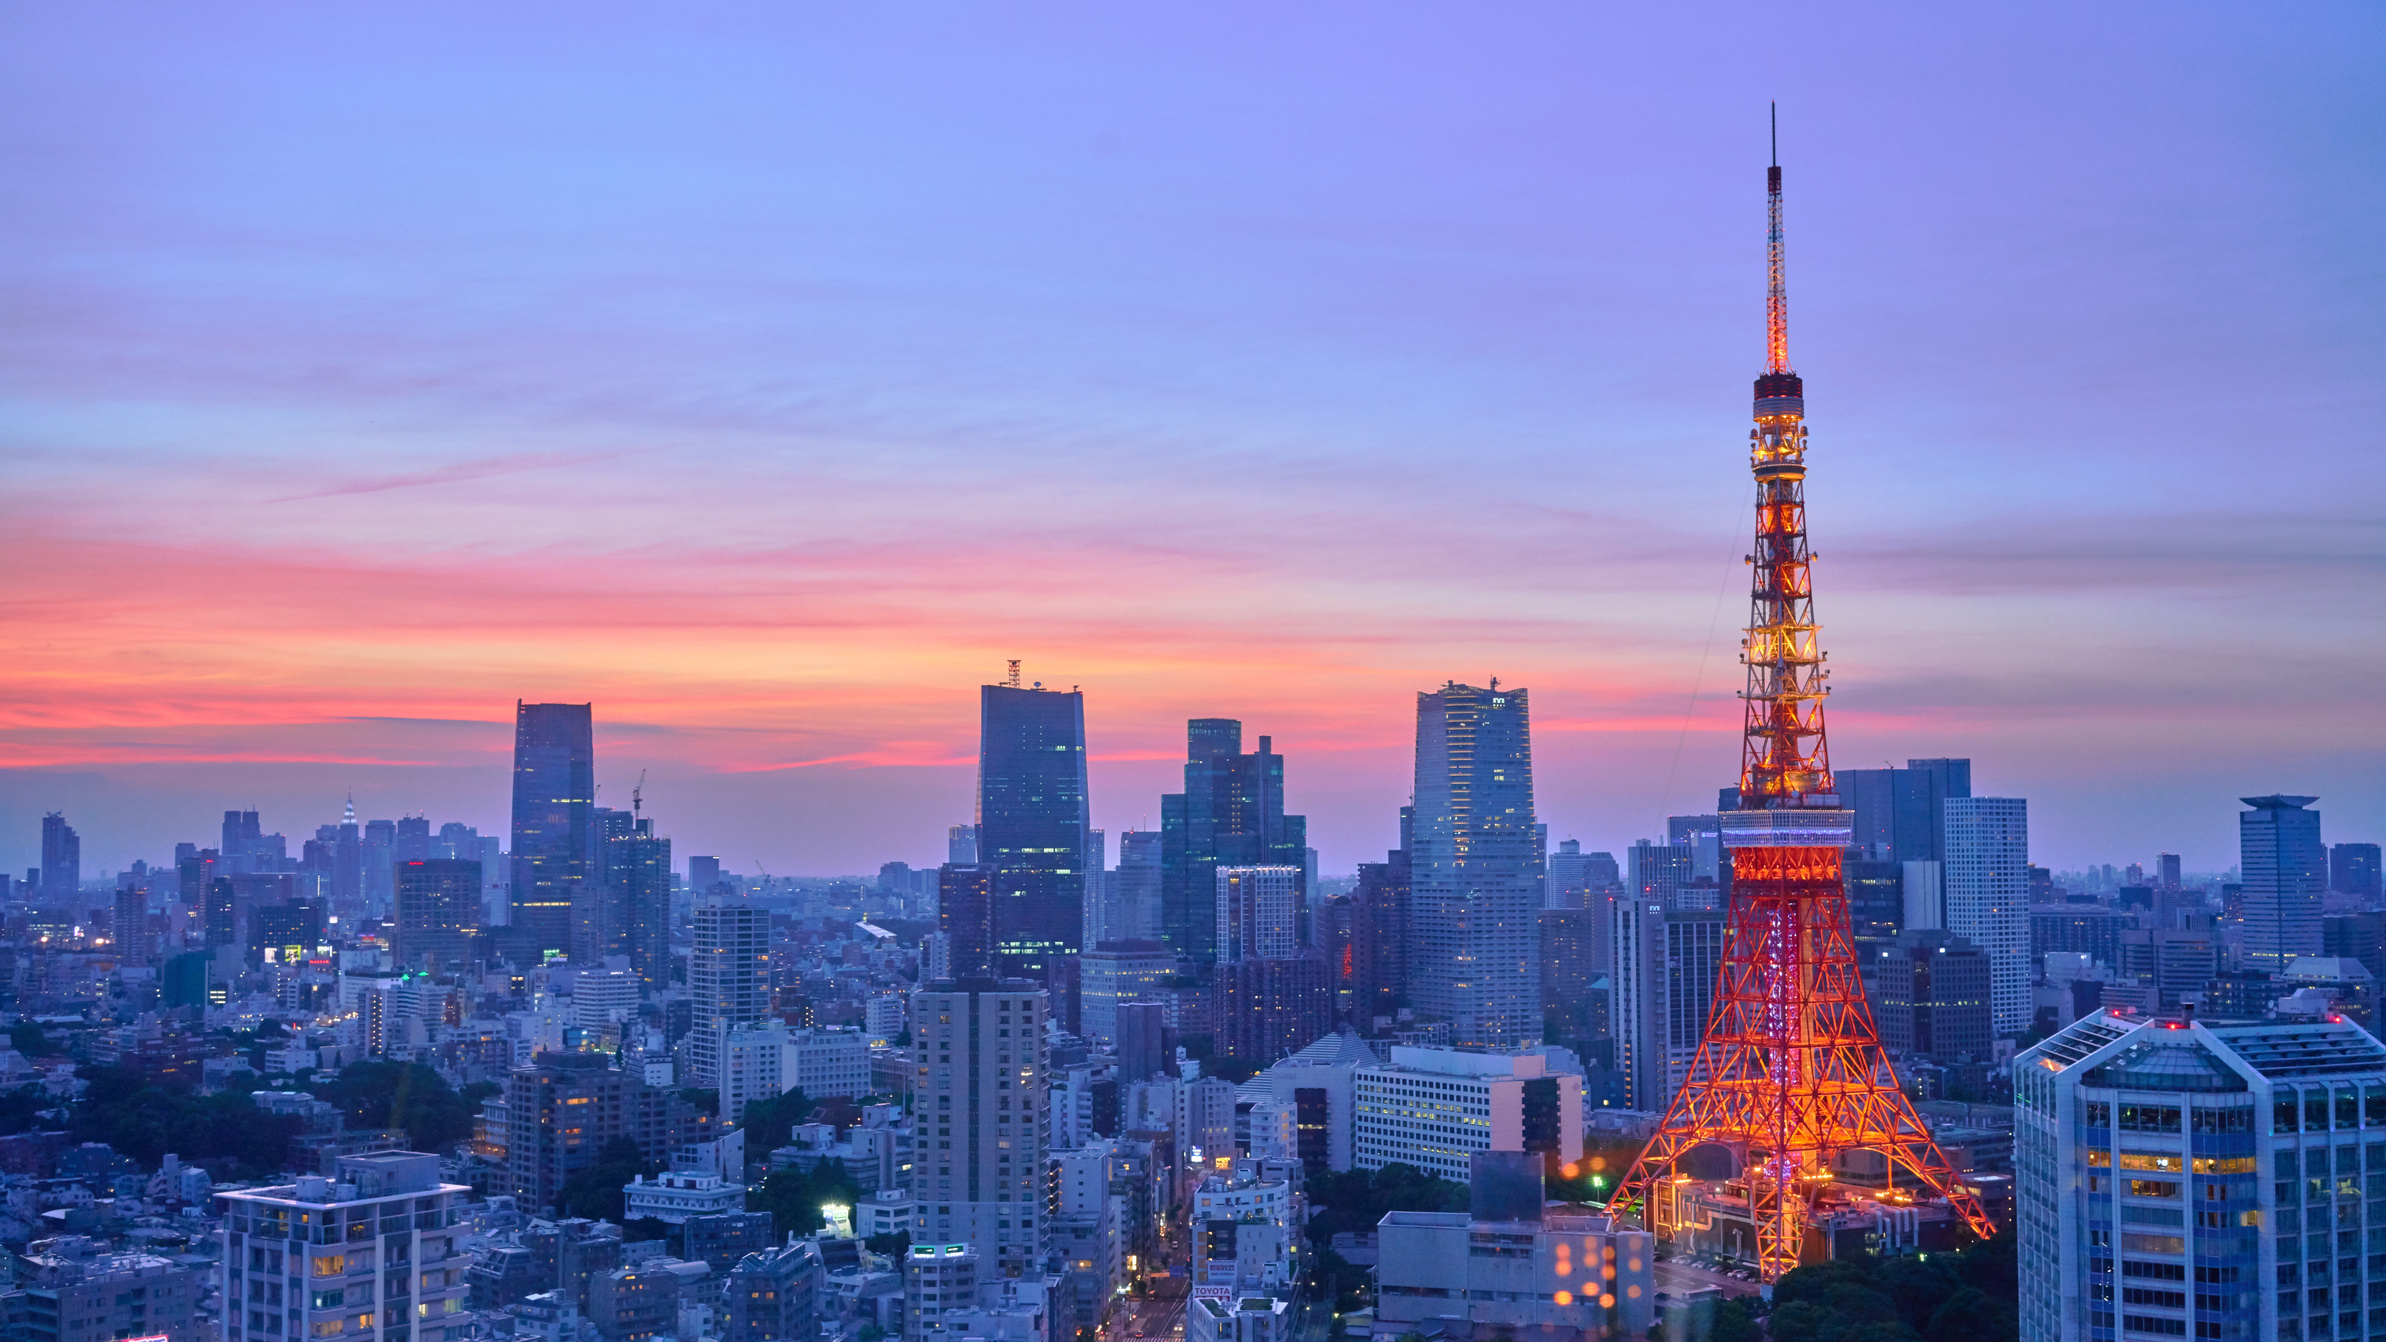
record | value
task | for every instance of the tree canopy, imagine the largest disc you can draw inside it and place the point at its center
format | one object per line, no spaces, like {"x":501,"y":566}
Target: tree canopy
{"x":405,"y":1095}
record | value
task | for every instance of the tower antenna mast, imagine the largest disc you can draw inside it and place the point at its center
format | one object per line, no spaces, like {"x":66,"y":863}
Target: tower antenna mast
{"x":1790,"y":1073}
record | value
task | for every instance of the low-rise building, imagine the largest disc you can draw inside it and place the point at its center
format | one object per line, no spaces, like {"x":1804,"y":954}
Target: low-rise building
{"x":675,"y":1195}
{"x":1218,"y":1314}
{"x":1582,"y":1272}
{"x":1433,"y":1108}
{"x":69,"y":1292}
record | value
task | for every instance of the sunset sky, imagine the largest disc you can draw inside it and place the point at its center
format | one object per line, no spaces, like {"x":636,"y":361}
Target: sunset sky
{"x":768,"y":375}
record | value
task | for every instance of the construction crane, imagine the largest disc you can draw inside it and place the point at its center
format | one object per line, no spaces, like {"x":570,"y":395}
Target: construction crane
{"x":635,"y":791}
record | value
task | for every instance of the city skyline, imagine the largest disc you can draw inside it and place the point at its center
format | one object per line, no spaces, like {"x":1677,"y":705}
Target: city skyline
{"x":1202,"y":423}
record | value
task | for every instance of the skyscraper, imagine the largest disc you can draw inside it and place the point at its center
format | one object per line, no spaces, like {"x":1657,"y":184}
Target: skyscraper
{"x":1033,"y":822}
{"x":1255,"y":913}
{"x":1477,"y":957}
{"x":61,"y":857}
{"x":2353,"y":869}
{"x":965,"y":918}
{"x":1901,"y":813}
{"x":438,"y":910}
{"x":1662,"y":991}
{"x":2283,"y":867}
{"x":1231,"y":813}
{"x":1388,"y":890}
{"x":638,"y":872}
{"x":978,"y":1045}
{"x":555,"y":834}
{"x":729,"y":978}
{"x":1136,"y":886}
{"x":1986,"y":883}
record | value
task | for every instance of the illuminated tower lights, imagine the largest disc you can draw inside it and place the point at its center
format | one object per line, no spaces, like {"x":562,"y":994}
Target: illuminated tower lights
{"x":1791,"y":1072}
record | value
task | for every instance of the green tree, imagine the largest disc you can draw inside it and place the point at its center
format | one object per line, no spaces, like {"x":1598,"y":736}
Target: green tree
{"x":595,"y":1192}
{"x":794,"y":1197}
{"x":145,"y":1121}
{"x":403,"y":1095}
{"x":770,"y":1123}
{"x":1917,"y":1285}
{"x":1973,"y":1315}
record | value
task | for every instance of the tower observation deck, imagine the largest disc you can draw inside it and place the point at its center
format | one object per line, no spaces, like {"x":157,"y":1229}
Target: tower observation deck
{"x":1790,"y":1074}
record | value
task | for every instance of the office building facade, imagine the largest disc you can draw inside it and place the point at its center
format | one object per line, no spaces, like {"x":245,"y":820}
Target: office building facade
{"x":555,"y":836}
{"x":1033,"y":829}
{"x":1475,"y":868}
{"x":2284,"y":870}
{"x":1434,"y":1108}
{"x":1231,"y":813}
{"x":438,"y":912}
{"x":1934,"y":998}
{"x":1661,"y":989}
{"x":728,"y":978}
{"x":2200,"y":1178}
{"x":61,"y":857}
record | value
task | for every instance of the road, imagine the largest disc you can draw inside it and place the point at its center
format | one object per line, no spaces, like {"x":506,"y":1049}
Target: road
{"x":1678,"y":1279}
{"x":1151,"y":1319}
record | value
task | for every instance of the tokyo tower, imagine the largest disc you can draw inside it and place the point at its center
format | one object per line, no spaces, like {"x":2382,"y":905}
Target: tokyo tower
{"x":1791,"y":1072}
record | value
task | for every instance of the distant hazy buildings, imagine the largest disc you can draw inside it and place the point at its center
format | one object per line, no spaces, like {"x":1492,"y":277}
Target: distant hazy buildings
{"x":1663,"y":987}
{"x":1476,"y":867}
{"x":555,"y":839}
{"x":1033,"y":828}
{"x":61,"y":857}
{"x":2283,"y":869}
{"x":438,"y":912}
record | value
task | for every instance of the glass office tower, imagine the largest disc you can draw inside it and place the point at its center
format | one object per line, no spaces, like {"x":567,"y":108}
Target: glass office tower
{"x":556,"y":840}
{"x":1033,"y":826}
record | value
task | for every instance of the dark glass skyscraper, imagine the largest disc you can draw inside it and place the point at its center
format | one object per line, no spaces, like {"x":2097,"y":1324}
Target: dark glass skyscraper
{"x":1033,"y":823}
{"x":61,"y":857}
{"x":555,"y":834}
{"x":638,"y":872}
{"x":1230,"y":814}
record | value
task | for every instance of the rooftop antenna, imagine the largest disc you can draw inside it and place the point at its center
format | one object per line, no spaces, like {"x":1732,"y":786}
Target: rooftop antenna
{"x":1012,"y":680}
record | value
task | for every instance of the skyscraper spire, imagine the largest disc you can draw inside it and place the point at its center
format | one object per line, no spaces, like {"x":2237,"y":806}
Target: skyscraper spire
{"x":1776,"y":299}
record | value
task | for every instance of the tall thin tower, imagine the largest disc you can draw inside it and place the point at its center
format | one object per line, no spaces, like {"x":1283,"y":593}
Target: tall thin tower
{"x":1791,"y":1071}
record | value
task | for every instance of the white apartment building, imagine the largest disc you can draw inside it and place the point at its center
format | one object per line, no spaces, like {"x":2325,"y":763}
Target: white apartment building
{"x":370,"y":1253}
{"x":1986,"y":888}
{"x":1435,"y":1107}
{"x":824,"y":1063}
{"x":675,"y":1195}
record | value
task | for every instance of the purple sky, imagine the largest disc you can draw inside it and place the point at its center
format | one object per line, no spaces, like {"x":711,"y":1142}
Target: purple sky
{"x":767,"y":375}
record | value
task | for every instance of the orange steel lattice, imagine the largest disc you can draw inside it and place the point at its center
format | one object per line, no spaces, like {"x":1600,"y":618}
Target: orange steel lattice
{"x":1790,"y":1072}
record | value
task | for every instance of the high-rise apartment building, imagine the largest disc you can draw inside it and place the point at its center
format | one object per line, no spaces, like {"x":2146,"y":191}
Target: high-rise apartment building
{"x":373,"y":1251}
{"x":1986,"y":892}
{"x":965,"y":920}
{"x":979,"y":1098}
{"x":1476,"y":958}
{"x":1231,"y":813}
{"x":728,"y":978}
{"x":438,"y":912}
{"x":64,"y":1292}
{"x":1033,"y":825}
{"x":2283,"y":868}
{"x":1662,"y":987}
{"x":555,"y":834}
{"x":61,"y":857}
{"x":2199,"y":1178}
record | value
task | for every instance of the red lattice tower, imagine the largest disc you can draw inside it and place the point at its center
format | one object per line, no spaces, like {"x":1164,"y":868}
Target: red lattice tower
{"x":1791,"y":1071}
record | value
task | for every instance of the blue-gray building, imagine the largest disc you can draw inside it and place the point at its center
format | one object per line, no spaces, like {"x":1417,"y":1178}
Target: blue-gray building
{"x":1475,"y":868}
{"x":2284,"y":869}
{"x":2201,"y":1179}
{"x":556,"y":841}
{"x":1034,"y":833}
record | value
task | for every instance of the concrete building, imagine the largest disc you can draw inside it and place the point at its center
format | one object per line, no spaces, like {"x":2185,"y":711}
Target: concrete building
{"x":977,"y":1176}
{"x":675,"y":1195}
{"x":774,"y":1295}
{"x":1581,"y":1272}
{"x":2284,"y":870}
{"x":2199,"y":1178}
{"x":324,"y":1257}
{"x":69,"y":1291}
{"x":1257,"y":909}
{"x":1221,"y":1314}
{"x":1247,"y":1230}
{"x":1318,"y":1083}
{"x":1987,"y":883}
{"x":1659,"y":994}
{"x":1934,"y":998}
{"x":828,"y":1062}
{"x":1434,"y":1108}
